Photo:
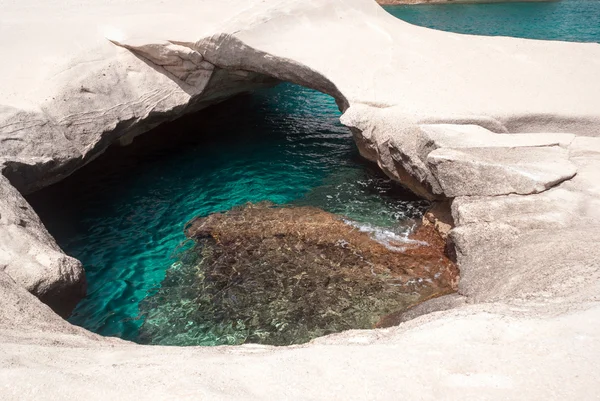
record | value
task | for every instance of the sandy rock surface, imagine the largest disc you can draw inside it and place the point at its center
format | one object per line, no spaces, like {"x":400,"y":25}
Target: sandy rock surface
{"x":81,"y":75}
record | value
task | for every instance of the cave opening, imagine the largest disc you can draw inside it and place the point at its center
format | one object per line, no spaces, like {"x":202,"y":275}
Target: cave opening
{"x":123,"y":216}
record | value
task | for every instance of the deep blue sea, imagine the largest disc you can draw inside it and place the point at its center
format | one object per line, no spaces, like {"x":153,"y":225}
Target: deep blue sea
{"x":123,"y":215}
{"x":568,"y":20}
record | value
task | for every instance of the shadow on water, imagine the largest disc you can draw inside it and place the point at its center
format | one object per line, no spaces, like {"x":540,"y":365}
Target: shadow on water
{"x":123,"y":214}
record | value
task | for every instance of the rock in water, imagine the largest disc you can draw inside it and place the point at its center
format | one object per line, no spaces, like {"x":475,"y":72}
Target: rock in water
{"x":284,"y":275}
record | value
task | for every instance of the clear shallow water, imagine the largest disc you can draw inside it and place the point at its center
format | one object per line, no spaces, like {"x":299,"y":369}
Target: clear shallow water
{"x":568,"y":20}
{"x":123,"y":215}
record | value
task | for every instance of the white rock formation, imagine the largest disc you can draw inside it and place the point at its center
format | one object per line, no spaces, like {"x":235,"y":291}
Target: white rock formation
{"x":29,"y":254}
{"x":499,"y":171}
{"x":80,"y":75}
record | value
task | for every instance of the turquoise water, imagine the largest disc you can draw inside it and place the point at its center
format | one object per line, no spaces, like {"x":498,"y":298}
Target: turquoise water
{"x":123,"y":215}
{"x":568,"y":20}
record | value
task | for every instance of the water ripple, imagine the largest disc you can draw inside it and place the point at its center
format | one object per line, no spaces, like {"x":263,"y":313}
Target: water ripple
{"x":124,"y":214}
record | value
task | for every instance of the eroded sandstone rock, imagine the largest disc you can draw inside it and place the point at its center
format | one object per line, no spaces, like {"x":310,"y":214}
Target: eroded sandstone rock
{"x":31,"y":257}
{"x":500,"y":171}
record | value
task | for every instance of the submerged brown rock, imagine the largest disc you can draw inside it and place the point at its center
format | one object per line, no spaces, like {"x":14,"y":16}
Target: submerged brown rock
{"x":283,"y":275}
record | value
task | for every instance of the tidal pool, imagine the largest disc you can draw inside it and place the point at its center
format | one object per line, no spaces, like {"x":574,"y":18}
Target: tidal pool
{"x":123,"y":215}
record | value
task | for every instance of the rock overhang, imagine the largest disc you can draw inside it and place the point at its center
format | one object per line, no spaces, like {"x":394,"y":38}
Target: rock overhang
{"x":60,"y":114}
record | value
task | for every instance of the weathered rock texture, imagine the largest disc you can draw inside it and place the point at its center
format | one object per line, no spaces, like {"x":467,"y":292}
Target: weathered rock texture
{"x":80,"y":76}
{"x":499,"y":171}
{"x":29,"y":254}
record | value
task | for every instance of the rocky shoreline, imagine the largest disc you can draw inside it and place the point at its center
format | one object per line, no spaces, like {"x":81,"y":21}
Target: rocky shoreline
{"x":505,"y":129}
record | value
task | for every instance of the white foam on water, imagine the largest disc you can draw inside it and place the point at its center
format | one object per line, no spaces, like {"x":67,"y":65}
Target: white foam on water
{"x":387,"y":237}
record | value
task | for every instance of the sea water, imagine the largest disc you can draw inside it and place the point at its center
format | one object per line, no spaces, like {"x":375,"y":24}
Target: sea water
{"x":123,"y":215}
{"x":567,"y":20}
